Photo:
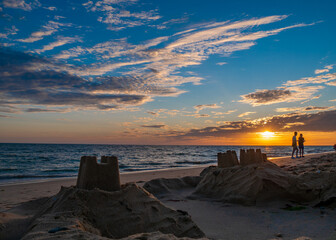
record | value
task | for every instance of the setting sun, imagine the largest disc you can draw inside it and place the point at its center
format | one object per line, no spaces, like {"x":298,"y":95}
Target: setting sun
{"x":267,"y":134}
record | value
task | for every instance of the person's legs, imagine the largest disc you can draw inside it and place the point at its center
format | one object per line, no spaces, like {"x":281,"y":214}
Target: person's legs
{"x":297,"y":151}
{"x":302,"y":150}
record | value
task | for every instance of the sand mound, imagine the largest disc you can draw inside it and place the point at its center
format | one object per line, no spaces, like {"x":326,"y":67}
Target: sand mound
{"x":164,"y":186}
{"x":312,"y":181}
{"x":249,"y":184}
{"x":95,"y":214}
{"x":321,"y":187}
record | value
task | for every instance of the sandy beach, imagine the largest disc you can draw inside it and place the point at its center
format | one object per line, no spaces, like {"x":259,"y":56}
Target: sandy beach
{"x":216,"y":218}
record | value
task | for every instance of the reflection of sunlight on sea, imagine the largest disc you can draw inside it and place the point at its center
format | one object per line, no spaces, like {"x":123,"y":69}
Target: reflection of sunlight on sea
{"x":22,"y":162}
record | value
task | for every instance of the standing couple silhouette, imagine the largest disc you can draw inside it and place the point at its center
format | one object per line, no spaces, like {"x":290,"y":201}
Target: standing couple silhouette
{"x":295,"y":142}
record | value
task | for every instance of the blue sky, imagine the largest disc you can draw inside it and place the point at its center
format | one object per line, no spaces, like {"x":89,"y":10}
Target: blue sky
{"x":117,"y":71}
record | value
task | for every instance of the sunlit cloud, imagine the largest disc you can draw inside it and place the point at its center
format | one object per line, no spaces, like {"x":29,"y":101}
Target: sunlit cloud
{"x":246,"y":114}
{"x":293,"y":125}
{"x":320,"y":121}
{"x":304,"y":109}
{"x":324,"y":70}
{"x":312,"y":98}
{"x":312,"y":80}
{"x":333,"y":83}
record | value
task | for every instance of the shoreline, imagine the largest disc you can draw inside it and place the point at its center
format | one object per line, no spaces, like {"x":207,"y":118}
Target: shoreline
{"x":61,"y":179}
{"x":12,"y":195}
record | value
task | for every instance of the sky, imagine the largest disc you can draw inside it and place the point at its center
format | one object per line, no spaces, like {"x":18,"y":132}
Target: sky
{"x":167,"y":72}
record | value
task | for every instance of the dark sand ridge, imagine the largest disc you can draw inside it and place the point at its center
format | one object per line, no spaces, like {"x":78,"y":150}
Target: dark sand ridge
{"x":115,"y":214}
{"x":184,"y":187}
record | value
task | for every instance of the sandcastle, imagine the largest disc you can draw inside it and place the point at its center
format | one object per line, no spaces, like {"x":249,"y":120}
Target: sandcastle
{"x":104,"y":175}
{"x":229,"y":159}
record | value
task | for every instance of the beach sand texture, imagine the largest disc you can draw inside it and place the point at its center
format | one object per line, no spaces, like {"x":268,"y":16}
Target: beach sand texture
{"x":293,"y":200}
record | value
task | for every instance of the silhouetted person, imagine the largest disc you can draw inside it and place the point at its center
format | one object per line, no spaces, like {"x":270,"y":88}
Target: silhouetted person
{"x":294,"y":145}
{"x":301,"y":147}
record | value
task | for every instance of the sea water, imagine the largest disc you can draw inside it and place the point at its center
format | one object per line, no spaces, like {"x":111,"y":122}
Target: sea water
{"x":28,"y":162}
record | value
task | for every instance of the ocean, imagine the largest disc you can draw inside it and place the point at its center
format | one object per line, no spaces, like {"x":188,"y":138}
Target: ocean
{"x":30,"y":162}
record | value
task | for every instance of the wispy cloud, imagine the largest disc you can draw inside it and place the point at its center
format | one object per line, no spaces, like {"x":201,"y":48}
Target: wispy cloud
{"x":60,"y":42}
{"x":245,"y":114}
{"x":291,"y":91}
{"x":304,"y":109}
{"x":154,"y":126}
{"x":325,"y":69}
{"x":166,"y":24}
{"x":197,"y":115}
{"x":145,"y":70}
{"x":161,"y":65}
{"x":21,"y":4}
{"x":113,"y":14}
{"x":293,"y":125}
{"x":333,"y":83}
{"x":204,"y":106}
{"x":265,"y":97}
{"x":9,"y":31}
{"x":41,"y":110}
{"x":46,"y":30}
{"x":224,"y":113}
{"x":153,"y":113}
{"x":51,"y":8}
{"x":312,"y":80}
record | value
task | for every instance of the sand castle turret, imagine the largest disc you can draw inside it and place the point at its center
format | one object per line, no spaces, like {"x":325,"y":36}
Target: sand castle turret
{"x":229,"y":159}
{"x":104,"y":175}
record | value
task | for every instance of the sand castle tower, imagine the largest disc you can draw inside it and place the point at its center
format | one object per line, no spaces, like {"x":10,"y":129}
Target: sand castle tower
{"x":229,"y":159}
{"x":251,"y":156}
{"x":104,"y":175}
